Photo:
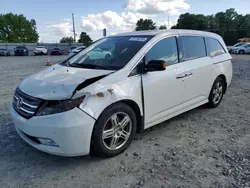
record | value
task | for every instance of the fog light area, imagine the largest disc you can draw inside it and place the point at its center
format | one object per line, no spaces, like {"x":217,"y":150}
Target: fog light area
{"x":48,"y":142}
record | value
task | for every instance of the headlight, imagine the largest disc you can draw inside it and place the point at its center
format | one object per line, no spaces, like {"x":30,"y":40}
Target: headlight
{"x":54,"y":107}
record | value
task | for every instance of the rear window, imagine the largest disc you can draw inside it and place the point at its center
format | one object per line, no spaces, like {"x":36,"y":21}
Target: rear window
{"x":56,"y":49}
{"x":214,"y":48}
{"x":40,"y":46}
{"x":193,"y":47}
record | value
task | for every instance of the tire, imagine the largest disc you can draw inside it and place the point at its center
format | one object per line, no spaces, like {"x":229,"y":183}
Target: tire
{"x":217,"y":91}
{"x":103,"y":147}
{"x":241,"y":52}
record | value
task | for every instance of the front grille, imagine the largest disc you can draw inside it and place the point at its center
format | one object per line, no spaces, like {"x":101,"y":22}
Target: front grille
{"x":24,"y":104}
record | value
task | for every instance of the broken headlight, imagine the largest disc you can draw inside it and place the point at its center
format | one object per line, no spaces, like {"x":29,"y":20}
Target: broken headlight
{"x":54,"y":107}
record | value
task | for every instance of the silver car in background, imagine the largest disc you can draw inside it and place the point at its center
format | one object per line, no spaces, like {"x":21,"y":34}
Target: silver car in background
{"x":244,"y":49}
{"x":76,"y":50}
{"x":4,"y":52}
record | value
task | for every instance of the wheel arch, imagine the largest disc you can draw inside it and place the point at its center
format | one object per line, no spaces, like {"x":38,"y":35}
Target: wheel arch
{"x":135,"y":107}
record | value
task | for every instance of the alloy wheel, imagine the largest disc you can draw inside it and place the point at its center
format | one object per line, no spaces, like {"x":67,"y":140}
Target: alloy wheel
{"x":117,"y":131}
{"x":217,"y":92}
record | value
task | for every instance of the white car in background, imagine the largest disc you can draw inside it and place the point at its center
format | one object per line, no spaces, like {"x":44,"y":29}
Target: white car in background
{"x":244,"y":49}
{"x":231,"y":48}
{"x":76,"y":50}
{"x":98,"y":53}
{"x":40,"y":50}
{"x":90,"y":105}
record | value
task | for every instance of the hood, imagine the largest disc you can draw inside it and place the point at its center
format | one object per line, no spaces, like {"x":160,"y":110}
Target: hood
{"x":58,"y":82}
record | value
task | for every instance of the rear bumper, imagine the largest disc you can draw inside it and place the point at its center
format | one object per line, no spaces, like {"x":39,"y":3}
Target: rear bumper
{"x":39,"y":52}
{"x":70,"y":130}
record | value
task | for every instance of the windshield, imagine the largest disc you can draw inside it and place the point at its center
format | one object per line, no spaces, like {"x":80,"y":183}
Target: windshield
{"x":111,"y":53}
{"x":20,"y":47}
{"x":56,"y":49}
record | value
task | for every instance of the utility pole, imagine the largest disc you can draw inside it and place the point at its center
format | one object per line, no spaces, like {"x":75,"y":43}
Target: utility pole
{"x":74,"y":31}
{"x":168,"y":23}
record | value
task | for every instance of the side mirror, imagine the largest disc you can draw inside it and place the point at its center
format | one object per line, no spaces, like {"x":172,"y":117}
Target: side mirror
{"x":156,"y":65}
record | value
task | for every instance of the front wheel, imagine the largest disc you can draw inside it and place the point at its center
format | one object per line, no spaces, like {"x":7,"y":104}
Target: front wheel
{"x":217,"y":92}
{"x":113,"y":131}
{"x":241,"y":52}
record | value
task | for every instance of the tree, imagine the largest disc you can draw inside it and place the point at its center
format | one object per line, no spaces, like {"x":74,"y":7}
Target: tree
{"x":16,"y":28}
{"x":146,"y":24}
{"x":67,"y":40}
{"x":162,"y":27}
{"x":192,"y":21}
{"x":229,"y":24}
{"x":85,"y":39}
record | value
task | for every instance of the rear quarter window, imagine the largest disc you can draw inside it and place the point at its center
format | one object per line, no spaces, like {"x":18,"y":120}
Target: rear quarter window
{"x":214,"y":47}
{"x":193,"y":47}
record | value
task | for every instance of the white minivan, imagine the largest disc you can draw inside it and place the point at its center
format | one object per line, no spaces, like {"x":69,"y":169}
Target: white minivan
{"x":92,"y":105}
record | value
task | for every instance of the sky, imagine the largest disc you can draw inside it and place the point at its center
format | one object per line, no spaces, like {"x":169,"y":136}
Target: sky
{"x":54,"y":17}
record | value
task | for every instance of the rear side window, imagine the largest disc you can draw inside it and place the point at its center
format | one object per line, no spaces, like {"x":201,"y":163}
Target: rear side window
{"x":166,"y":50}
{"x":193,"y":47}
{"x":214,"y":48}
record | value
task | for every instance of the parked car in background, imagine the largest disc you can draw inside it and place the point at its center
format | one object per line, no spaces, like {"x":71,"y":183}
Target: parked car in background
{"x":231,"y":48}
{"x":99,"y":53}
{"x":56,"y":51}
{"x":21,"y":50}
{"x":40,"y":50}
{"x":243,"y":49}
{"x":71,"y":48}
{"x":4,"y":52}
{"x":76,"y":50}
{"x":97,"y":105}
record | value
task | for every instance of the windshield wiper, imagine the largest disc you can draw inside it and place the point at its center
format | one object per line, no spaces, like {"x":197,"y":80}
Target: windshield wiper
{"x":91,"y":66}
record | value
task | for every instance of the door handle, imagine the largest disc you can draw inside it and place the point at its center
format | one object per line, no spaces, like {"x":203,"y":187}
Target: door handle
{"x":184,"y":75}
{"x":189,"y":74}
{"x":181,"y":76}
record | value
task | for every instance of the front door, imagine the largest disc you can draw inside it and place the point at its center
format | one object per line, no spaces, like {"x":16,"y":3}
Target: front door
{"x":162,"y":89}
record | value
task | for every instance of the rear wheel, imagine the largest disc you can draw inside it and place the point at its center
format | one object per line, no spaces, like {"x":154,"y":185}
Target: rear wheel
{"x":216,"y":93}
{"x":114,"y":131}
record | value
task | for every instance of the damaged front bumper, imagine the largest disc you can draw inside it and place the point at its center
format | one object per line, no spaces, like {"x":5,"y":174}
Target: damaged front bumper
{"x":70,"y":131}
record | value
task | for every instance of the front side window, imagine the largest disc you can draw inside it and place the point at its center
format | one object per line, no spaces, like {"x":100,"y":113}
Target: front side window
{"x":193,"y":47}
{"x":214,"y":47}
{"x":111,"y":53}
{"x":166,"y":50}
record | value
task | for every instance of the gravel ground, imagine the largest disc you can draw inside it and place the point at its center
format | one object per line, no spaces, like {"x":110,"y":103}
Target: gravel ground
{"x":201,"y":148}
